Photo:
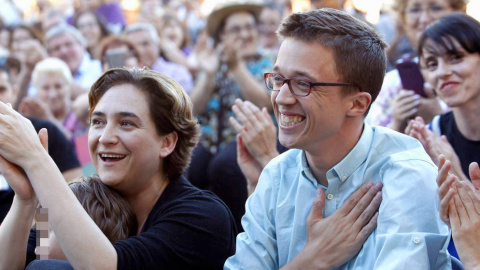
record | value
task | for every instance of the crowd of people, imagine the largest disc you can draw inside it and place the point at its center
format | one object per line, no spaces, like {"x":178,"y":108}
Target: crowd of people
{"x":250,"y":138}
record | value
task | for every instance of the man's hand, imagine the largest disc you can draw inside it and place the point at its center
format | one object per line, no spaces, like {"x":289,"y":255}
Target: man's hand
{"x":332,"y":241}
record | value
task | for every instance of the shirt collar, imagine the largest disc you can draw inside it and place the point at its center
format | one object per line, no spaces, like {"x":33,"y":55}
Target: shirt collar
{"x":347,"y":165}
{"x":357,"y":155}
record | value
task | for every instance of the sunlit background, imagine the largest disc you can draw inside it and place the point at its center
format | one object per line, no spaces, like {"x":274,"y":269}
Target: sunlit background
{"x":372,"y":8}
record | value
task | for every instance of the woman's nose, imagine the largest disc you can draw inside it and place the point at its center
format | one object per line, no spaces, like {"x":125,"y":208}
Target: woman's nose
{"x":108,"y":135}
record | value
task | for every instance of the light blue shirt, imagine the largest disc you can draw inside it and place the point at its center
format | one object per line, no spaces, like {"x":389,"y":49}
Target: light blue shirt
{"x":88,"y":72}
{"x":409,"y":233}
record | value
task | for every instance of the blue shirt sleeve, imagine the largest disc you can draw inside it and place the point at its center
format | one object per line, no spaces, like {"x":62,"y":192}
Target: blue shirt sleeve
{"x":256,"y":248}
{"x":409,"y":232}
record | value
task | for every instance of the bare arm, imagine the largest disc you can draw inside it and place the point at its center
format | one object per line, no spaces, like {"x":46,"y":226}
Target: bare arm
{"x":204,"y":84}
{"x":21,"y":146}
{"x":15,"y":228}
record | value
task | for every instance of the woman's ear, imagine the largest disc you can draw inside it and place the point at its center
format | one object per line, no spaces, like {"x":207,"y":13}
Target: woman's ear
{"x":360,"y":104}
{"x":169,"y":142}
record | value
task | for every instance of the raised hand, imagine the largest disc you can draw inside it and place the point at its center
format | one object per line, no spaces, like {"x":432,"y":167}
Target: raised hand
{"x":33,"y":107}
{"x":465,"y":223}
{"x":405,"y":106}
{"x":434,"y":145}
{"x":19,"y":143}
{"x":256,"y":140}
{"x":257,"y":130}
{"x":16,"y":177}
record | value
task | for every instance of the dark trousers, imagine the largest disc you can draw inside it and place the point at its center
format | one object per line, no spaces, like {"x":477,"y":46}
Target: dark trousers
{"x":221,"y":174}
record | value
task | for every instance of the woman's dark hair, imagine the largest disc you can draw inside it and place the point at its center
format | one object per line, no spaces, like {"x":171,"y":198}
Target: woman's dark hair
{"x":34,"y":33}
{"x":458,"y":27}
{"x":112,"y":213}
{"x":168,"y":19}
{"x":100,"y":21}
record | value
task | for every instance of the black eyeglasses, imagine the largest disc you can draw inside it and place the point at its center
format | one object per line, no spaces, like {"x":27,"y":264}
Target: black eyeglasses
{"x":298,"y":87}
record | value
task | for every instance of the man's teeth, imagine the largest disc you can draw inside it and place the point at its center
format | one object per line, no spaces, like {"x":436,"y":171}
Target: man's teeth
{"x":288,"y":120}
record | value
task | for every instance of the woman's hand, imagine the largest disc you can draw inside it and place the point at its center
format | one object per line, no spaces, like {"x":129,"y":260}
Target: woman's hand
{"x":33,"y":107}
{"x":230,"y":53}
{"x":465,"y":223}
{"x":19,"y":143}
{"x":405,"y":106}
{"x":256,"y":140}
{"x":257,"y":130}
{"x":434,"y":145}
{"x":16,"y":177}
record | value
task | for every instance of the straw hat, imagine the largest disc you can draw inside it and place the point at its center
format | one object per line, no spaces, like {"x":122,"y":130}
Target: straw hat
{"x":219,"y":14}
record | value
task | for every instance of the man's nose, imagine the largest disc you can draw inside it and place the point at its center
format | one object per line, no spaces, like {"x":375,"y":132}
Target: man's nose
{"x":285,"y":96}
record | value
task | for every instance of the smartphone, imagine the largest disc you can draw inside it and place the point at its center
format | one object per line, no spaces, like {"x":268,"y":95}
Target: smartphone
{"x":116,"y":57}
{"x":411,"y":77}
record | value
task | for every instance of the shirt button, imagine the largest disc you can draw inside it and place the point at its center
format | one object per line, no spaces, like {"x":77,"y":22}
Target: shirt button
{"x":416,"y":240}
{"x":344,"y":178}
{"x":329,"y":196}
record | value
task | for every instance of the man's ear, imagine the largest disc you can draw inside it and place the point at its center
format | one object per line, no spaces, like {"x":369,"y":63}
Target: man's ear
{"x":360,"y":103}
{"x":169,"y":142}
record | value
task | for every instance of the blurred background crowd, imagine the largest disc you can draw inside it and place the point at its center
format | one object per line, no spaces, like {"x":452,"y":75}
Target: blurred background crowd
{"x":51,"y":51}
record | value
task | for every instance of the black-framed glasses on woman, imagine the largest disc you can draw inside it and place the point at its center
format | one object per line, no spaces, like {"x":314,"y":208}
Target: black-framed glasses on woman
{"x":298,"y":87}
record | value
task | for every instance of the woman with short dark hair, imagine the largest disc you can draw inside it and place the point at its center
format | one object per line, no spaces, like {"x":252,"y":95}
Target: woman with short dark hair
{"x":142,"y":132}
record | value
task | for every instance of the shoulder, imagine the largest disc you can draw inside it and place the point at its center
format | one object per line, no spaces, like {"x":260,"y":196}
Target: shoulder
{"x":40,"y":123}
{"x":288,"y":160}
{"x":187,"y":228}
{"x":392,"y":147}
{"x":182,"y":201}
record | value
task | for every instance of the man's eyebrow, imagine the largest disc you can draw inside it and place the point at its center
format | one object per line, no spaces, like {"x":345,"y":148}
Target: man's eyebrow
{"x":276,"y":69}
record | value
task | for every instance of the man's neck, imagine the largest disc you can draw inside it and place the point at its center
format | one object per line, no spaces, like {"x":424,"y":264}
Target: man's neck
{"x":329,"y":153}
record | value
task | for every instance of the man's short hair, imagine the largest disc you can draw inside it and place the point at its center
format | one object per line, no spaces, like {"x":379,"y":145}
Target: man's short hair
{"x":358,"y":50}
{"x":65,"y":29}
{"x":143,"y":27}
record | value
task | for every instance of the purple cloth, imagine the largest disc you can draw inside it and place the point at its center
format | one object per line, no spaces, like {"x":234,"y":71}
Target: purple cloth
{"x":112,"y":14}
{"x":177,"y":72}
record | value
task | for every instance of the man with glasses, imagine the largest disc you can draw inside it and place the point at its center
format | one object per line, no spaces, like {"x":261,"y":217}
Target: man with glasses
{"x":315,"y":206}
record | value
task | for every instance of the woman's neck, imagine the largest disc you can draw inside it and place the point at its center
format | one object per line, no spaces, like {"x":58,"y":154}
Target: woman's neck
{"x":143,"y":202}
